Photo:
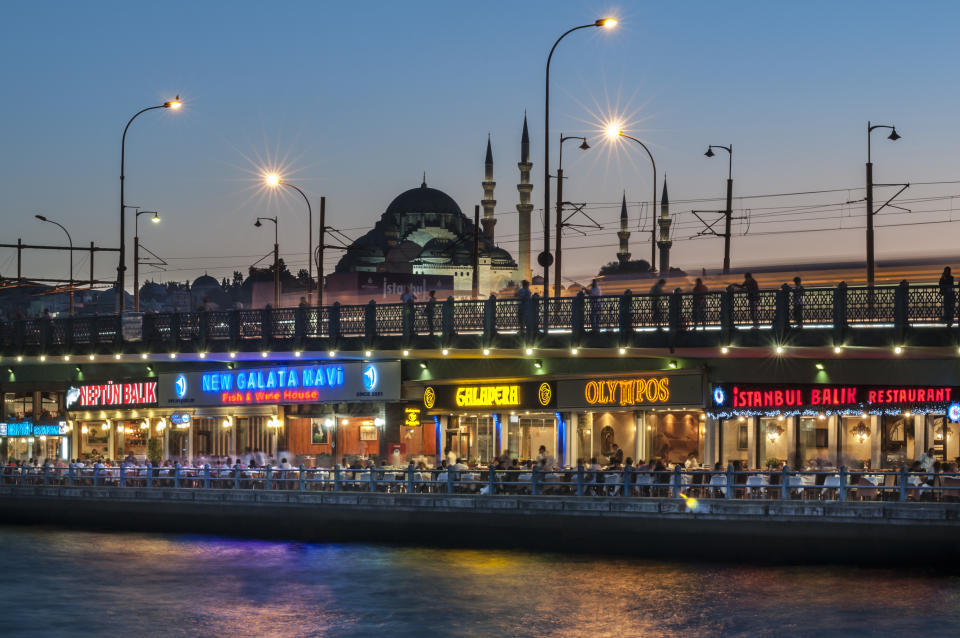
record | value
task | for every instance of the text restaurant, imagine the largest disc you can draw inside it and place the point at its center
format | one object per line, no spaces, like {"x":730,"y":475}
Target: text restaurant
{"x":828,"y":425}
{"x":647,"y":416}
{"x":314,"y":414}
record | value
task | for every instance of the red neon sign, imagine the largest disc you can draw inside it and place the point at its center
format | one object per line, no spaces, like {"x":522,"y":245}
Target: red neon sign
{"x":113,"y":394}
{"x":771,"y":397}
{"x":256,"y":397}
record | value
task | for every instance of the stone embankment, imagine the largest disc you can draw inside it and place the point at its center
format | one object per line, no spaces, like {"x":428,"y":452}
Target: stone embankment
{"x":721,"y":530}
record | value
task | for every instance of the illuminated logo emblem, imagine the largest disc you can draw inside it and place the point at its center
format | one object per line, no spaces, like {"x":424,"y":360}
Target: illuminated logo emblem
{"x":370,"y":378}
{"x":73,"y":394}
{"x":544,"y":394}
{"x":953,"y":412}
{"x":429,"y":398}
{"x":718,"y":396}
{"x":180,"y":386}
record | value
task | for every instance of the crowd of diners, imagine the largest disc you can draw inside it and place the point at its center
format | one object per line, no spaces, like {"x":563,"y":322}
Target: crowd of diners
{"x":927,"y":478}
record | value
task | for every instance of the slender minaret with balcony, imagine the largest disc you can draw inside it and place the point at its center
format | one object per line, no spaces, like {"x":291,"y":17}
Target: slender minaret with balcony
{"x":524,"y":208}
{"x":488,"y":203}
{"x":664,"y":242}
{"x":623,"y":255}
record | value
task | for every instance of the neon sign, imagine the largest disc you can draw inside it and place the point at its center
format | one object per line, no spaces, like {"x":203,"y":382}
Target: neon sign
{"x":761,"y":396}
{"x":627,"y":391}
{"x":411,"y":417}
{"x":271,"y":379}
{"x":26,"y":428}
{"x":112,"y":394}
{"x":482,"y":396}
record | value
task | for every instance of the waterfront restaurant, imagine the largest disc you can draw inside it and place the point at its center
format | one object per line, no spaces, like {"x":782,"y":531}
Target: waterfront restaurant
{"x":828,"y":425}
{"x":117,"y":417}
{"x":33,"y":425}
{"x":647,"y":415}
{"x":480,"y":421}
{"x":315,"y":414}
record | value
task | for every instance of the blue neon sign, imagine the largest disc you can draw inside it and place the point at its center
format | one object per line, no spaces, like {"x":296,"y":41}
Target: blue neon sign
{"x":274,"y":378}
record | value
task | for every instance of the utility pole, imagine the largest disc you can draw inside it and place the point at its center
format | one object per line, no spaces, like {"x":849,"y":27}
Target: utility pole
{"x":870,"y":212}
{"x":556,"y":280}
{"x":728,"y":211}
{"x":320,"y":246}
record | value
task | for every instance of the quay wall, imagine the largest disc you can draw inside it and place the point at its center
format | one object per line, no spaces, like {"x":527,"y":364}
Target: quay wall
{"x":719,"y":530}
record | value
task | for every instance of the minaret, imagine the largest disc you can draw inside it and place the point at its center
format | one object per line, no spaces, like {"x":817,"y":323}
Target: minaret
{"x":524,"y":208}
{"x":624,"y":253}
{"x":664,"y":242}
{"x":488,"y":202}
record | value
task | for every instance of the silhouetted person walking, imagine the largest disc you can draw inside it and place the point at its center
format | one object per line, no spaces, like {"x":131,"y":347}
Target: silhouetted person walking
{"x":700,"y":291}
{"x":429,"y":310}
{"x":797,"y":302}
{"x":949,"y":295}
{"x":752,"y":288}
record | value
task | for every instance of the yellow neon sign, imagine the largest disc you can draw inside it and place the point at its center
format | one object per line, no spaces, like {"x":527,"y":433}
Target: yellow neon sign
{"x":627,"y":391}
{"x":484,"y":396}
{"x":411,"y":417}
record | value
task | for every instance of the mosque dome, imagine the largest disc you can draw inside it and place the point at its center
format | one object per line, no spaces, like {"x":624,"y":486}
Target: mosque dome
{"x":422,"y":200}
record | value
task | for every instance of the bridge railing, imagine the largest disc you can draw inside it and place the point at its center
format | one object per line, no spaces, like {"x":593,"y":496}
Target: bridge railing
{"x":730,"y":310}
{"x":694,"y":486}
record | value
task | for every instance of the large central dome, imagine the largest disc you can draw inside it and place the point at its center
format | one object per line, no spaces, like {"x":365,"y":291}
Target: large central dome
{"x":422,"y":200}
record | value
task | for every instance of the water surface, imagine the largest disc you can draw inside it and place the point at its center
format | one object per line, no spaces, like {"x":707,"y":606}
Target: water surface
{"x":72,"y":583}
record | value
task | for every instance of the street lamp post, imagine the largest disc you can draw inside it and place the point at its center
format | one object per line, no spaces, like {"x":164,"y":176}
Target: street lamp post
{"x":274,"y":180}
{"x":728,"y":213}
{"x":545,"y":259}
{"x":653,"y":207}
{"x":136,"y":253}
{"x":870,"y":260}
{"x":557,"y":264}
{"x":175,"y":105}
{"x":276,"y":257}
{"x":69,"y":239}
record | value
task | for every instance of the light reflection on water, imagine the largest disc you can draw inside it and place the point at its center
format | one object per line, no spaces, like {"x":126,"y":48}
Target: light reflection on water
{"x":70,"y":583}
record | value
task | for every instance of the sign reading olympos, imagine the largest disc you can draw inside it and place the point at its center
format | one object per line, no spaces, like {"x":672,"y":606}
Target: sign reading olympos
{"x":631,"y":391}
{"x":112,"y":394}
{"x":760,"y":396}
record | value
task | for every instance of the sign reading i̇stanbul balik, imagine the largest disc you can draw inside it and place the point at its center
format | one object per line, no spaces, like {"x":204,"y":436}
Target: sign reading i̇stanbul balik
{"x":746,"y":396}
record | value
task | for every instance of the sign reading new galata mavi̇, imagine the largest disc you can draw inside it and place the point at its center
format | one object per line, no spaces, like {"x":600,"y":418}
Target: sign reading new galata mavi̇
{"x":283,"y":384}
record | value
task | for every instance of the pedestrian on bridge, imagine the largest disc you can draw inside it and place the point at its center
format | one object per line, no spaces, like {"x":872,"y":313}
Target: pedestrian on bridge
{"x":949,"y":295}
{"x":798,"y":302}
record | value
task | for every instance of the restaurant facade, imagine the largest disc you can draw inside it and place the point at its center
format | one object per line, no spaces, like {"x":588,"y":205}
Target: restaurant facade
{"x":647,"y":415}
{"x":829,"y":425}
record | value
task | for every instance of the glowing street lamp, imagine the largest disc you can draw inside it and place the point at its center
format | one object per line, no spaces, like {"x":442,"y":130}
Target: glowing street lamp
{"x":273,"y":180}
{"x":174,"y":105}
{"x":613,"y":132}
{"x":545,"y":258}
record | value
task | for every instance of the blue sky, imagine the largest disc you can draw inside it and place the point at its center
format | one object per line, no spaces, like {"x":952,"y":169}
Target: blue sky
{"x":355,"y":100}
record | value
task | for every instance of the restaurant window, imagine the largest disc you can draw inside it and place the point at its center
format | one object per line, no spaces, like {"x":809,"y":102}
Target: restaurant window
{"x":133,"y":439}
{"x":18,"y":405}
{"x":49,"y":405}
{"x":609,"y":428}
{"x":813,"y":443}
{"x":479,"y":439}
{"x":945,"y":442}
{"x":772,"y":442}
{"x":856,"y":434}
{"x":534,"y":431}
{"x":672,"y":436}
{"x":898,"y":446}
{"x":734,"y":441}
{"x":94,"y":440}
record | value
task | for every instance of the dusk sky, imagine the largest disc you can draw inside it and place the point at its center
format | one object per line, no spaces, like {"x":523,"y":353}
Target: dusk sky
{"x":356,"y":100}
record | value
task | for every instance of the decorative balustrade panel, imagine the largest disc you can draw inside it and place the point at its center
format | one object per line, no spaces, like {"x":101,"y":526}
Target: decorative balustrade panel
{"x":468,"y":317}
{"x":218,"y":325}
{"x":106,"y":329}
{"x":870,"y":305}
{"x":701,"y":310}
{"x":650,"y":311}
{"x":925,"y":305}
{"x":507,"y":315}
{"x":31,"y":332}
{"x":817,"y":307}
{"x":283,"y":323}
{"x":250,"y":324}
{"x":317,"y":323}
{"x":352,"y":321}
{"x":390,"y":317}
{"x":756,"y":311}
{"x":601,"y":313}
{"x":561,"y":313}
{"x":189,"y":326}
